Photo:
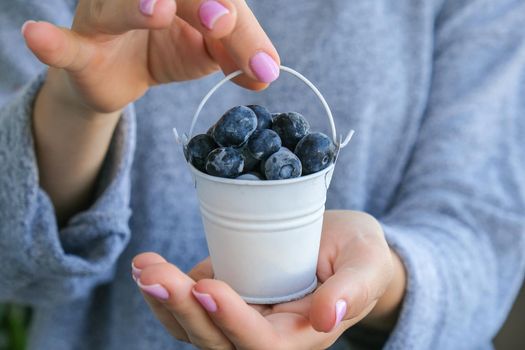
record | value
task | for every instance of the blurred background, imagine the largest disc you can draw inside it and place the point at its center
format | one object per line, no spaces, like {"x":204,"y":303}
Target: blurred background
{"x":14,"y":320}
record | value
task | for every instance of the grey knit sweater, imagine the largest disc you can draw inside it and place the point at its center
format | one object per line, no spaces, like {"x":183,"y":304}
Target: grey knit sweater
{"x":436,"y":93}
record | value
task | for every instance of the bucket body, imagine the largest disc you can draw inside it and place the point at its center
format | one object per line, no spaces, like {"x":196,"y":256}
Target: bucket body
{"x":263,"y":236}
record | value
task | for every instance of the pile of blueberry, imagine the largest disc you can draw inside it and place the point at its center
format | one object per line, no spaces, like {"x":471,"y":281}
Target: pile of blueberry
{"x":249,"y":142}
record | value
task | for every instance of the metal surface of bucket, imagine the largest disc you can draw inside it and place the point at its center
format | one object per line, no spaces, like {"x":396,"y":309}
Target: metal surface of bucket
{"x":263,"y":236}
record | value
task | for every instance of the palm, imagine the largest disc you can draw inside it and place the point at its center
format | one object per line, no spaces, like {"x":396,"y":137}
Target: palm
{"x":362,"y":253}
{"x":354,"y":269}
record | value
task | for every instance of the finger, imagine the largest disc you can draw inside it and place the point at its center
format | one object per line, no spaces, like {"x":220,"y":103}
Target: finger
{"x":344,"y":296}
{"x":166,"y":318}
{"x":172,"y":288}
{"x":56,"y":47}
{"x":140,"y":262}
{"x":187,"y":57}
{"x":120,"y":16}
{"x":143,"y":260}
{"x":250,"y":48}
{"x":244,"y":326}
{"x":247,"y":44}
{"x":213,"y":18}
{"x":228,"y":65}
{"x":202,"y":270}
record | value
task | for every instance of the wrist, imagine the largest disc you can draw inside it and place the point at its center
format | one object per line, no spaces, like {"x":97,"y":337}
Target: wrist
{"x":71,"y":142}
{"x":385,"y":313}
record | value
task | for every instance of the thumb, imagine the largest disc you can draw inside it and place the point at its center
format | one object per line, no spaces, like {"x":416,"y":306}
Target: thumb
{"x":345,"y":295}
{"x":56,"y":47}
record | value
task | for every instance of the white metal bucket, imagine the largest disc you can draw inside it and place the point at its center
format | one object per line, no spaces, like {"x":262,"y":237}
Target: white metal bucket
{"x":263,"y":236}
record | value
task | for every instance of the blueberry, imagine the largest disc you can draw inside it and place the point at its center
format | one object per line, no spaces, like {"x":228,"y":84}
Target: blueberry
{"x":250,"y":176}
{"x":235,"y":126}
{"x":264,"y":117}
{"x":316,"y":152}
{"x":291,"y":127}
{"x":250,"y":162}
{"x":262,"y":168}
{"x":283,"y":164}
{"x":198,"y":149}
{"x":263,"y":143}
{"x":225,"y":162}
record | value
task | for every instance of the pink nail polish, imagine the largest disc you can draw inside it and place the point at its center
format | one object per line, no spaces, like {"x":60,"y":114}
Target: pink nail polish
{"x":205,"y":300}
{"x":24,"y":26}
{"x":340,"y":311}
{"x":147,"y":6}
{"x":135,"y":272}
{"x":264,"y":67}
{"x":210,"y":11}
{"x":155,"y":290}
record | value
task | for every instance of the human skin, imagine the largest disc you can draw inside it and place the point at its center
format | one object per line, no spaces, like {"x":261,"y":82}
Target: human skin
{"x":356,"y":269}
{"x":113,"y":53}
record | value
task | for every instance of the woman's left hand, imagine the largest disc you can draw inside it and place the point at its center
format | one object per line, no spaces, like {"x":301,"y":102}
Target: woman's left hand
{"x":355,"y":269}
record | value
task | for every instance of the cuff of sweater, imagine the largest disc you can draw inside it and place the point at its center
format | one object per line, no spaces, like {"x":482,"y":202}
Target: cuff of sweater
{"x":93,"y":239}
{"x":103,"y":228}
{"x":419,"y":315}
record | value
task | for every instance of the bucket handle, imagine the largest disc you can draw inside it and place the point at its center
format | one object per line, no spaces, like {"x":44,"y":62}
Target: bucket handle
{"x":340,"y":143}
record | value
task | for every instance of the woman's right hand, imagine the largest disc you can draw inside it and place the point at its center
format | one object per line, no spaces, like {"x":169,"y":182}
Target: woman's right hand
{"x":117,"y":49}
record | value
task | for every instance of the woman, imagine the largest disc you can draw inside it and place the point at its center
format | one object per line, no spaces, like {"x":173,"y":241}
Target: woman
{"x":91,"y":179}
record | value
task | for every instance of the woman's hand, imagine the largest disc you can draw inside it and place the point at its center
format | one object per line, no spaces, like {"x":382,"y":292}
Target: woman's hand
{"x":355,"y":271}
{"x":117,"y":49}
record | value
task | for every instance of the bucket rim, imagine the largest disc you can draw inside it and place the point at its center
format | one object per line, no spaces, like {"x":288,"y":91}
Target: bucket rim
{"x":198,"y":173}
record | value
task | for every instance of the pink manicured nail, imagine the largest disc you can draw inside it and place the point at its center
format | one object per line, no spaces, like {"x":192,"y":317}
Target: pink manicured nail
{"x":210,"y":11}
{"x":340,"y":311}
{"x":147,"y":6}
{"x":205,"y":300}
{"x":24,"y":26}
{"x":135,"y":272}
{"x":155,"y":290}
{"x":264,"y":67}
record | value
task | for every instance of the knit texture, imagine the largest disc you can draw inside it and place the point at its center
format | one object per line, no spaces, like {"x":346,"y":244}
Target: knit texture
{"x":435,"y":91}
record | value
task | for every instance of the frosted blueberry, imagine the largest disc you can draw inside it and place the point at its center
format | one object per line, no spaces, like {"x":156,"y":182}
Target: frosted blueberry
{"x":250,"y":162}
{"x":198,"y":149}
{"x":210,"y":131}
{"x":235,"y":126}
{"x":283,"y":164}
{"x":225,"y":162}
{"x":316,"y":152}
{"x":264,"y":117}
{"x":263,"y":143}
{"x":291,"y":127}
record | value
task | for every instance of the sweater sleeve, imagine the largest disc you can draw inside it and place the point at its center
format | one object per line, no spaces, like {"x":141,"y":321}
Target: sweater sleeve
{"x":458,"y":221}
{"x":40,"y":263}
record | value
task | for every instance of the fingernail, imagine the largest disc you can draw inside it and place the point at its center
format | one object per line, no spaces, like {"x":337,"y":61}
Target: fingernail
{"x":205,"y":300}
{"x":147,"y":6}
{"x":135,"y":272}
{"x":264,"y":67}
{"x":24,"y":26}
{"x":210,"y":11}
{"x":155,"y":290}
{"x":340,"y":311}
